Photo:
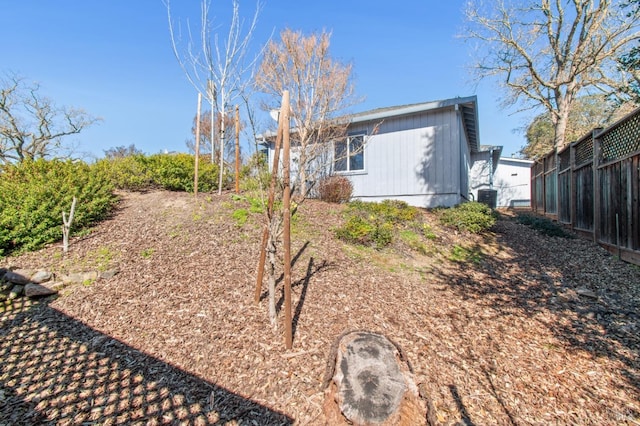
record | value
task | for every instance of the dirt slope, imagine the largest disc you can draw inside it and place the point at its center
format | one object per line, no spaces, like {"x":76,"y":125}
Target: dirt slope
{"x":535,"y":330}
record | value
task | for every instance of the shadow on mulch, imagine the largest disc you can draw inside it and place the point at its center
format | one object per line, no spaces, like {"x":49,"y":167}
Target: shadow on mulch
{"x":522,"y":284}
{"x":57,"y":370}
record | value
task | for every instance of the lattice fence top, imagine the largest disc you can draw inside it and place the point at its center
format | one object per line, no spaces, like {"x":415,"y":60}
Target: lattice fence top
{"x":584,"y":151}
{"x":537,"y":168}
{"x":621,"y":141}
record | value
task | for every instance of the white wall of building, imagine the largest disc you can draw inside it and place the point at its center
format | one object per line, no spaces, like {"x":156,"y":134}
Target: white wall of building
{"x":511,"y":178}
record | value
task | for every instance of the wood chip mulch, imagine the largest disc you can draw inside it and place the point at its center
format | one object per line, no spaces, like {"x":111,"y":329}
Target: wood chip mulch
{"x":534,"y":330}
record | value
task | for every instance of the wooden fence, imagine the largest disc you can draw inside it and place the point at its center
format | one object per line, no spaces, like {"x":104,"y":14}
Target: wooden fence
{"x":593,"y":187}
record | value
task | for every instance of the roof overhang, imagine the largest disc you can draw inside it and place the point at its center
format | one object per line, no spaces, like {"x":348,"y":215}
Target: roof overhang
{"x":467,"y":107}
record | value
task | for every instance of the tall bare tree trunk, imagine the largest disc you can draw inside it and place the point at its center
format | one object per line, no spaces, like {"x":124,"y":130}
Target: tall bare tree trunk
{"x":221,"y":161}
{"x":237,"y":159}
{"x":271,"y":276}
{"x":562,"y":119}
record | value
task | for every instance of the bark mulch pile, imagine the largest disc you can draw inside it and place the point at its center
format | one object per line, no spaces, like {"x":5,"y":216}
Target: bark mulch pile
{"x":527,"y":330}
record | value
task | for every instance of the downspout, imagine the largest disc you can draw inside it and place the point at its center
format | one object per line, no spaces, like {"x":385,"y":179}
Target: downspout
{"x":491,"y":167}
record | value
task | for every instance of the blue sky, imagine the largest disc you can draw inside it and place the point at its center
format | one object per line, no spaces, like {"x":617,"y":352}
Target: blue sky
{"x":114,"y":59}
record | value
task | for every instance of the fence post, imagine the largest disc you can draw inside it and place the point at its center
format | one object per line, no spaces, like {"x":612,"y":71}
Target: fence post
{"x":596,"y":185}
{"x":572,"y":182}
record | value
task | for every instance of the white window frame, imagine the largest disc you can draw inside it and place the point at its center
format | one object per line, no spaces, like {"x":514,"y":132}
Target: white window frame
{"x":349,"y":154}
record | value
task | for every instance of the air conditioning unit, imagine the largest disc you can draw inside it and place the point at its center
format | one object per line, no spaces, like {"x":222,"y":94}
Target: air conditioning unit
{"x":488,"y":197}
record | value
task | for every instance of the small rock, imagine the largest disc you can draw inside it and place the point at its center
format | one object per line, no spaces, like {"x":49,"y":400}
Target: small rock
{"x":568,"y":295}
{"x":585,"y":292}
{"x":56,"y":285}
{"x":16,"y":291}
{"x":38,"y":290}
{"x":18,"y":276}
{"x":106,"y":275}
{"x":79,"y":277}
{"x":41,"y":277}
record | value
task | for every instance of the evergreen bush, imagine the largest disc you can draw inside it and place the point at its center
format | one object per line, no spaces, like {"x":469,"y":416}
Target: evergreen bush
{"x":172,"y":172}
{"x":375,"y":224}
{"x":471,"y":217}
{"x":33,"y":195}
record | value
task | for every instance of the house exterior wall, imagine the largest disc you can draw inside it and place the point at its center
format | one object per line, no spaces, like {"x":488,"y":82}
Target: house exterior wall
{"x":513,"y":182}
{"x":479,"y":174}
{"x":418,"y":159}
{"x":511,"y":179}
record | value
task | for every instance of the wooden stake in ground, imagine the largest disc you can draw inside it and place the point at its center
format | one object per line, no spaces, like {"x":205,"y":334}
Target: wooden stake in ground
{"x":66,"y":226}
{"x":286,"y":201}
{"x":197,"y":148}
{"x":237,"y":149}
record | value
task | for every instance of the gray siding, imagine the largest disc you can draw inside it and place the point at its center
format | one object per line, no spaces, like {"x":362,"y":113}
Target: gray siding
{"x":421,"y":159}
{"x":465,"y":159}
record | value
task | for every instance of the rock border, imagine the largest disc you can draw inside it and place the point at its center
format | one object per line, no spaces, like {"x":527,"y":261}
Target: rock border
{"x":18,"y":282}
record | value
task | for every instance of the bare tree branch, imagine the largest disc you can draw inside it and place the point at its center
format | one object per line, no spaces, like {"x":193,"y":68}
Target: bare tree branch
{"x":547,"y":54}
{"x":217,"y":70}
{"x":321,"y":91}
{"x":31,"y":125}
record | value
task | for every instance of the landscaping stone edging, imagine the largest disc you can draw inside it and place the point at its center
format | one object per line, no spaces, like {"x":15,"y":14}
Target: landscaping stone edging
{"x":18,"y":282}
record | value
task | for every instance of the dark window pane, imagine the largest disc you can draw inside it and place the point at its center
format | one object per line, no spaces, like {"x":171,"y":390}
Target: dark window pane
{"x":356,"y":150}
{"x":340,"y":157}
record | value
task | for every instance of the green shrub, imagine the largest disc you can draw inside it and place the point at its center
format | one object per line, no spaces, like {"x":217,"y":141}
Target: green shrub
{"x":359,"y":230}
{"x":34,"y":194}
{"x":471,"y":217}
{"x":388,"y":210}
{"x":543,"y":225}
{"x":255,"y":175}
{"x":172,"y":172}
{"x":335,"y":189}
{"x":374,"y":224}
{"x":130,"y":173}
{"x":240,"y":216}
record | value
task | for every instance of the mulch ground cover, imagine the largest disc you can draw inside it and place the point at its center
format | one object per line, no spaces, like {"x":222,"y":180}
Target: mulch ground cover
{"x":526,"y":330}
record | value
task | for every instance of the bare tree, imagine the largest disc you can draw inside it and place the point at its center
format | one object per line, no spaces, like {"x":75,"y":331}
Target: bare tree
{"x":206,"y":133}
{"x":122,"y":151}
{"x":630,"y":61}
{"x":31,"y":125}
{"x":318,"y":91}
{"x":321,"y":91}
{"x":587,"y":113}
{"x":546,"y":53}
{"x":216,"y":69}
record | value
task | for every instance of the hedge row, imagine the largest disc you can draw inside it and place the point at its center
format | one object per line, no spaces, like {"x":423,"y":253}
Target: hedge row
{"x":34,"y":194}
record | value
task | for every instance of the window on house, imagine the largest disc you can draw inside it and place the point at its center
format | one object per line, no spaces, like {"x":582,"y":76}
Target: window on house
{"x":349,"y":154}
